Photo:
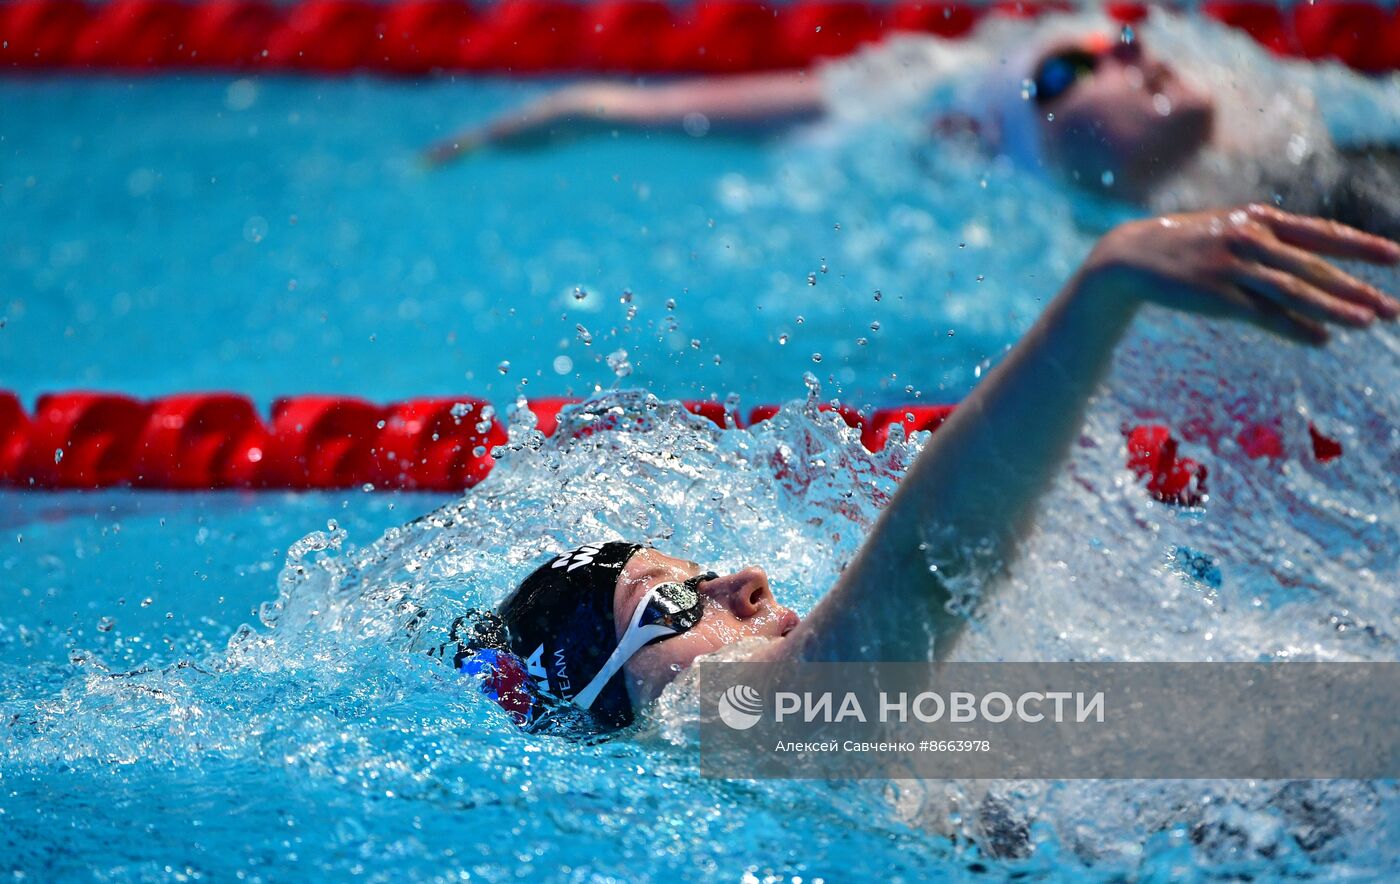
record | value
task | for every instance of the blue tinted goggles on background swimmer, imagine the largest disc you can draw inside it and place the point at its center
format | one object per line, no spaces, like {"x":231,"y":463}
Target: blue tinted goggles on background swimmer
{"x":558,"y":629}
{"x":1058,"y":73}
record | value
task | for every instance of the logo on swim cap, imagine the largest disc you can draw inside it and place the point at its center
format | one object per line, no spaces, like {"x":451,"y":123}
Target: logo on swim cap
{"x":740,"y":707}
{"x":578,"y":558}
{"x":536,"y":666}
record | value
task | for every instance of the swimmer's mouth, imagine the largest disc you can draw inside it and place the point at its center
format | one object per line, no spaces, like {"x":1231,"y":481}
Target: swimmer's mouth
{"x":789,"y":622}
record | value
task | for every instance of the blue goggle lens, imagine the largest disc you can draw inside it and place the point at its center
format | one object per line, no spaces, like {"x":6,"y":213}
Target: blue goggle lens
{"x":1058,"y":73}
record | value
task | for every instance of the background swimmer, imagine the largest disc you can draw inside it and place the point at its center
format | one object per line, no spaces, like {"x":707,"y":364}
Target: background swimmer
{"x":580,"y":622}
{"x":1108,"y":113}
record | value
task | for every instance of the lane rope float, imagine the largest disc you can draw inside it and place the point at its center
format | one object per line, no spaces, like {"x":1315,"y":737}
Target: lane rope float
{"x":207,"y":441}
{"x":415,"y":37}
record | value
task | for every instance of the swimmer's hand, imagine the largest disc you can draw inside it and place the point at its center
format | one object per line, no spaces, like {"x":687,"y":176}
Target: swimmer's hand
{"x":451,"y":149}
{"x":1258,"y":263}
{"x":531,"y":125}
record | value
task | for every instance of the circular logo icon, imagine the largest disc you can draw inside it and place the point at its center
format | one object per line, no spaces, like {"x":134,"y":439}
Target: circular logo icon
{"x":740,"y":707}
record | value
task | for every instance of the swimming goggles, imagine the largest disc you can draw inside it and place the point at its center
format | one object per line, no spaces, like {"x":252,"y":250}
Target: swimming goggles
{"x":666,"y":610}
{"x":1057,"y":73}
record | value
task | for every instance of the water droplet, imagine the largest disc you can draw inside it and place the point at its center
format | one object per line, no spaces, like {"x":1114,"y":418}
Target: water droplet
{"x":861,"y":342}
{"x":241,"y":95}
{"x":584,"y":335}
{"x":696,"y":125}
{"x":626,"y":296}
{"x":255,"y":229}
{"x":367,"y":487}
{"x":1127,"y":36}
{"x":106,"y":624}
{"x":504,"y":367}
{"x":816,"y":357}
{"x":812,"y":279}
{"x":875,"y":326}
{"x":695,"y":343}
{"x":878,"y":296}
{"x":801,"y":319}
{"x":479,"y":451}
{"x":980,"y":277}
{"x":782,"y":340}
{"x":1027,"y":89}
{"x":58,"y":455}
{"x":147,"y":602}
{"x":618,"y":362}
{"x":579,"y":293}
{"x":670,"y":303}
{"x":1050,"y":117}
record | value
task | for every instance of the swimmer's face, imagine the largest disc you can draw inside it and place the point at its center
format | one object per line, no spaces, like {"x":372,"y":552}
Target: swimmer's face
{"x":736,"y":606}
{"x":1130,"y":116}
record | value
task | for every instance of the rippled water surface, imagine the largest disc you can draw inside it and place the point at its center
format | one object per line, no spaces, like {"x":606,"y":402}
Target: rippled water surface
{"x":197,"y":686}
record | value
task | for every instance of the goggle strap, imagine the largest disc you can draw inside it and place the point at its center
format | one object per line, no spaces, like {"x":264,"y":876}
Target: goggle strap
{"x":632,"y":642}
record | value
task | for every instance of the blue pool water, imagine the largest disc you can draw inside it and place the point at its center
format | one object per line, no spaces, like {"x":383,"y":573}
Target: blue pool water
{"x":197,"y":687}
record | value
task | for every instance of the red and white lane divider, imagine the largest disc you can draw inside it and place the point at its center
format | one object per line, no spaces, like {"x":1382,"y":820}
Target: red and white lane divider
{"x":205,"y":441}
{"x":557,"y":36}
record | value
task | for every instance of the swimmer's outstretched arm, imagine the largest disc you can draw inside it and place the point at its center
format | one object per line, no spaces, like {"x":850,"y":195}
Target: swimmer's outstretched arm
{"x":737,"y":102}
{"x":964,"y":503}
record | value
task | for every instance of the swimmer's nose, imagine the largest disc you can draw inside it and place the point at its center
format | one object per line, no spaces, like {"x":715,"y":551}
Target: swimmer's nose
{"x":746,"y":593}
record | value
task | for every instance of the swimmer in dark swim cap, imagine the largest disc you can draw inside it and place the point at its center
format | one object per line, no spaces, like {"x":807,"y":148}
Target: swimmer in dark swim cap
{"x":605,"y":627}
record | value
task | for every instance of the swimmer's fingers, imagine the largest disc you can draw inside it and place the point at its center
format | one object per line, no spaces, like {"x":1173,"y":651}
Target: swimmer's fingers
{"x":1290,"y":293}
{"x":445,"y":152}
{"x":1285,"y":323}
{"x":1326,"y":237}
{"x":1319,"y":273}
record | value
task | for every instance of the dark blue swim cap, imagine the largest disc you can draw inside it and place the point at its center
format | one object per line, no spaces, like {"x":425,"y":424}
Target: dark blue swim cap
{"x":560,"y":622}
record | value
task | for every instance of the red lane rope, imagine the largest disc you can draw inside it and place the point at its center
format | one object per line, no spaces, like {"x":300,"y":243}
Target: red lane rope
{"x":203,"y":441}
{"x":558,"y":36}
